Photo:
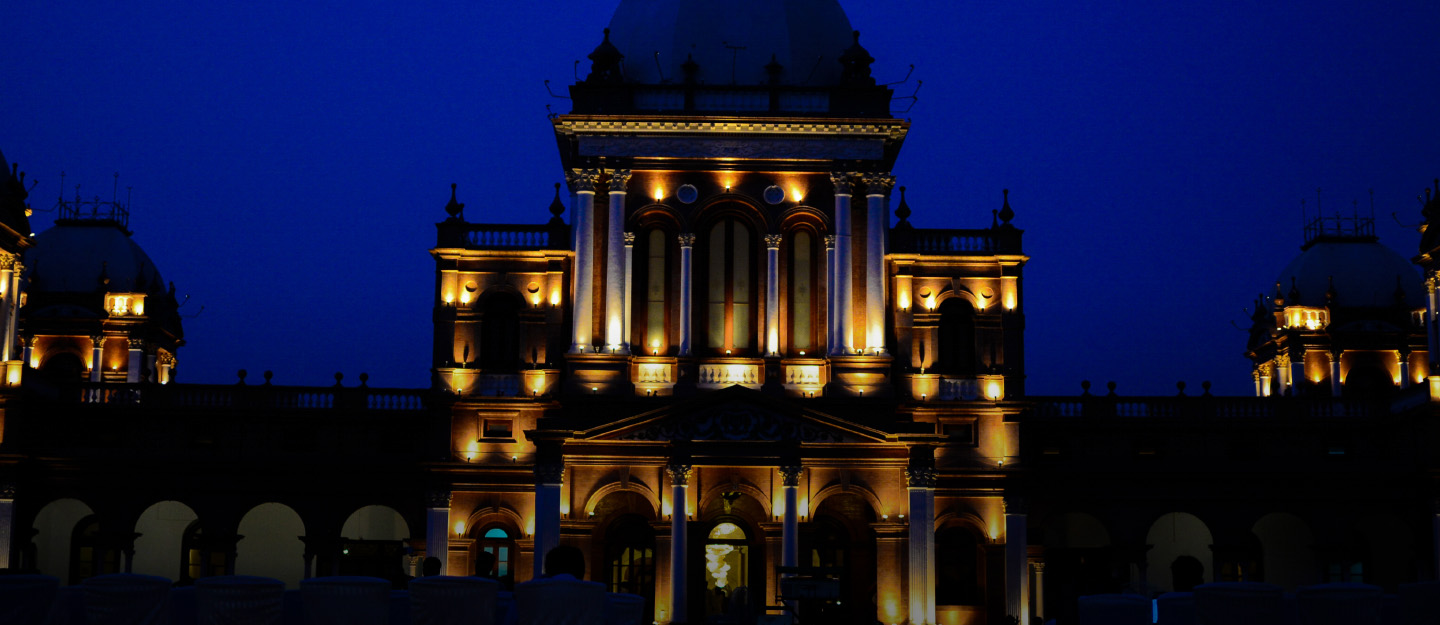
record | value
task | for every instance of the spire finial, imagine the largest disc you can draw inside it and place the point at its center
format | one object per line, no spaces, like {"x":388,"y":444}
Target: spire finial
{"x":556,"y":208}
{"x":1006,"y":213}
{"x":455,"y":209}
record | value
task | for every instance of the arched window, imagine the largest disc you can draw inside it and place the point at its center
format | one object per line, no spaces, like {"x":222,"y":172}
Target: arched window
{"x":500,"y":334}
{"x":729,"y":292}
{"x":88,"y":555}
{"x":957,"y":567}
{"x":200,"y":559}
{"x":656,"y":276}
{"x":802,"y":298}
{"x":497,"y":540}
{"x":956,"y":341}
{"x":630,"y":557}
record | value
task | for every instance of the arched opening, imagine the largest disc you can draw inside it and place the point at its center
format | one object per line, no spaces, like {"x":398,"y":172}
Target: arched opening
{"x":1078,"y":562}
{"x":838,"y":537}
{"x":727,"y":577}
{"x":1381,"y":552}
{"x":630,"y":558}
{"x":161,"y":528}
{"x":1288,"y":550}
{"x":50,"y":550}
{"x":805,"y":272}
{"x":728,"y":317}
{"x":89,"y":553}
{"x":1368,"y":380}
{"x":1175,"y":540}
{"x":500,"y":333}
{"x":204,"y":555}
{"x":499,"y":542}
{"x":959,"y":562}
{"x":372,"y":543}
{"x":63,"y":368}
{"x":956,"y":338}
{"x":270,"y":545}
{"x":653,"y":274}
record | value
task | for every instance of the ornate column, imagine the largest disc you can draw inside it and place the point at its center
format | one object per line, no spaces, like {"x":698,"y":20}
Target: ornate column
{"x":1015,"y":546}
{"x":136,"y":360}
{"x":1432,"y":326}
{"x":1282,"y":370}
{"x":626,"y":312}
{"x":615,"y":270}
{"x":687,"y":279}
{"x":1335,"y":373}
{"x":28,"y":344}
{"x":772,"y":295}
{"x":437,"y":527}
{"x":1403,"y":356}
{"x":877,"y":194}
{"x":920,"y":481}
{"x":582,"y":184}
{"x":7,"y":520}
{"x":1256,"y":375}
{"x":842,"y":283}
{"x":790,"y":531}
{"x":831,"y":296}
{"x":166,"y":366}
{"x":9,"y":295}
{"x":97,"y":352}
{"x":679,"y":481}
{"x":1040,"y":591}
{"x":549,"y":476}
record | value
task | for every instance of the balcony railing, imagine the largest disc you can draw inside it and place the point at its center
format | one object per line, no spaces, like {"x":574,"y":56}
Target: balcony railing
{"x":455,"y":233}
{"x":955,"y":241}
{"x":1207,"y":407}
{"x":214,"y":396}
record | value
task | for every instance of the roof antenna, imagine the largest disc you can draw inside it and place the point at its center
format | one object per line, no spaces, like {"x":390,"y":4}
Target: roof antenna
{"x":659,"y":69}
{"x":818,"y":58}
{"x":115,"y":192}
{"x":734,"y":58}
{"x":902,"y":80}
{"x":913,"y":97}
{"x":62,"y":185}
{"x":575,"y":70}
{"x":552,"y":93}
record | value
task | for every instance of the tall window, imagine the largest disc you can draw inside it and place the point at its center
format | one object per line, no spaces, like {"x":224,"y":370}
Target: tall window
{"x":957,"y":569}
{"x":802,"y":291}
{"x":500,"y":334}
{"x":655,"y":277}
{"x":88,"y":557}
{"x":957,"y":338}
{"x":630,"y":557}
{"x":499,"y":542}
{"x":199,"y":559}
{"x":729,"y":302}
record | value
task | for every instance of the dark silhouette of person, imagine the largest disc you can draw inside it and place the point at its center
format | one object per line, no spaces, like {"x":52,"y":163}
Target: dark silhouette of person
{"x":430,"y":567}
{"x":1186,"y":573}
{"x":565,"y":560}
{"x":485,"y":564}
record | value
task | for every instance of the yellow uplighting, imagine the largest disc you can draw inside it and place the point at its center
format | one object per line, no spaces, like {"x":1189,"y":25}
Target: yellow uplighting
{"x":658,"y":194}
{"x":472,"y":450}
{"x":139,"y":307}
{"x":530,"y":526}
{"x":464,"y":297}
{"x":449,"y":298}
{"x":459,"y":528}
{"x":994,"y":391}
{"x":1009,"y":301}
{"x":904,"y":300}
{"x":797,"y":194}
{"x":555,"y":298}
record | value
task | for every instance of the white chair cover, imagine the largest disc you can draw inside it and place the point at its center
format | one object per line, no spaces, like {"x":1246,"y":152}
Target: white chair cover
{"x":127,"y":599}
{"x":239,"y":600}
{"x":26,"y":598}
{"x":182,"y":606}
{"x":1420,"y":603}
{"x":1239,"y":603}
{"x":624,"y":609}
{"x":69,"y":607}
{"x":447,"y":600}
{"x":345,"y":600}
{"x":1115,"y":610}
{"x":560,"y":601}
{"x":1340,"y":604}
{"x":1176,"y":608}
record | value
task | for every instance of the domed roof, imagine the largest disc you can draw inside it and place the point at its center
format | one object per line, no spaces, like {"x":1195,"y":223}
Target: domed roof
{"x":1365,"y":274}
{"x":806,"y":37}
{"x":71,"y":258}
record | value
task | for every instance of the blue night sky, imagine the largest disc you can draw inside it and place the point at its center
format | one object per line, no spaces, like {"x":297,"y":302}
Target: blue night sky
{"x":289,"y":159}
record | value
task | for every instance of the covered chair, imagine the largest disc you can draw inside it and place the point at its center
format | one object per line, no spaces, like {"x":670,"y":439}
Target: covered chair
{"x":345,"y":600}
{"x":560,"y":600}
{"x":1239,"y":603}
{"x":26,"y":598}
{"x":1337,"y":604}
{"x":69,"y":607}
{"x":239,"y":600}
{"x":127,"y":599}
{"x":624,"y":609}
{"x":1419,"y":603}
{"x":447,"y":600}
{"x":1115,"y":610}
{"x":1176,"y":608}
{"x":182,"y":606}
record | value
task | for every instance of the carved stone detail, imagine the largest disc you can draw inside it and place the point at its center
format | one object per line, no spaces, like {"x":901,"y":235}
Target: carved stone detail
{"x":7,"y":490}
{"x":790,"y":475}
{"x":679,"y":473}
{"x":550,"y":473}
{"x":878,"y":183}
{"x":772,"y":241}
{"x":97,"y":342}
{"x":619,"y":178}
{"x":843,"y":183}
{"x":7,"y":261}
{"x":437,"y":499}
{"x":629,"y":239}
{"x":687,"y":239}
{"x":829,"y":241}
{"x":1013,"y":504}
{"x":135,"y":343}
{"x":921,"y":477}
{"x":734,"y":423}
{"x":582,"y":179}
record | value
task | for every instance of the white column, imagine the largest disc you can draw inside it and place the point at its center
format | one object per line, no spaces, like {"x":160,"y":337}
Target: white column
{"x":877,"y":193}
{"x":832,"y":299}
{"x":1040,"y":591}
{"x":1015,"y":561}
{"x":1256,"y":375}
{"x":844,"y":316}
{"x":615,"y":339}
{"x":626,"y":312}
{"x":772,"y":295}
{"x":790,"y":529}
{"x":687,"y":279}
{"x":97,"y":351}
{"x":921,"y":484}
{"x":29,"y":352}
{"x":437,"y":528}
{"x":8,"y":300}
{"x":135,"y":361}
{"x":1432,"y":328}
{"x":548,"y":478}
{"x":152,"y":374}
{"x":679,"y":480}
{"x":1335,"y":374}
{"x":1404,"y":359}
{"x":582,"y":184}
{"x":7,"y":520}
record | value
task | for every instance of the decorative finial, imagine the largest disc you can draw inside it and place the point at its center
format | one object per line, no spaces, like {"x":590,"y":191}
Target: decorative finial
{"x":902,"y":212}
{"x":1006,"y":213}
{"x":1293,"y":297}
{"x":455,"y":209}
{"x":556,"y":208}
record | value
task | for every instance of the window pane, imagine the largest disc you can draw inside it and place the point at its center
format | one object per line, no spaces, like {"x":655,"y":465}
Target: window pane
{"x":655,"y":290}
{"x":741,"y":312}
{"x":715,"y":290}
{"x":800,"y":286}
{"x":496,"y":532}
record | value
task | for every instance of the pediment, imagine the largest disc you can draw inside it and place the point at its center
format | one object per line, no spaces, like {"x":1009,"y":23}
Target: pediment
{"x":739,"y":415}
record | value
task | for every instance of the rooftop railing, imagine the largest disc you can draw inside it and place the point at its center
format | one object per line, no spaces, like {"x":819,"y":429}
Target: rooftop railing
{"x":239,"y":396}
{"x":505,"y":236}
{"x":1207,"y":407}
{"x":955,"y":241}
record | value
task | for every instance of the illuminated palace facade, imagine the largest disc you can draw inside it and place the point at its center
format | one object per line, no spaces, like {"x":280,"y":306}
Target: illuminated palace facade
{"x":737,"y":355}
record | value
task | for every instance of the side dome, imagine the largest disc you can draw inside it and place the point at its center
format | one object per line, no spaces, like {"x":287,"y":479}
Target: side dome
{"x":732,"y":42}
{"x":1365,"y":274}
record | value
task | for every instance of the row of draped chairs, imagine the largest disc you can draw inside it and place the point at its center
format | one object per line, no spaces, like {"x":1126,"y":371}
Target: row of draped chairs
{"x":1247,"y":603}
{"x":130,"y":599}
